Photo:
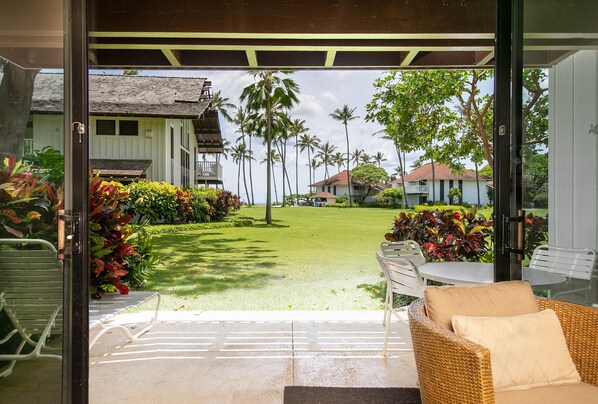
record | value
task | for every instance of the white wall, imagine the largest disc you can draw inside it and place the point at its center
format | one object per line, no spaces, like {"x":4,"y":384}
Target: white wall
{"x":573,"y":151}
{"x":152,"y":143}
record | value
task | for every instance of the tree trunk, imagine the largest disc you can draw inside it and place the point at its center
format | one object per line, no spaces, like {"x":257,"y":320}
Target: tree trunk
{"x":433,"y":182}
{"x":477,"y":181}
{"x":402,"y":168}
{"x":268,"y":165}
{"x":251,"y":175}
{"x":285,"y":171}
{"x":274,"y":180}
{"x":309,"y":167}
{"x":297,"y":168}
{"x":16,"y":91}
{"x":244,"y":173}
{"x":239,"y":178}
{"x":348,"y":167}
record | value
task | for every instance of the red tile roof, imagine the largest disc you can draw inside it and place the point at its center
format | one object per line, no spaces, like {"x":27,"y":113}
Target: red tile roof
{"x":324,"y":195}
{"x":441,"y":171}
{"x":341,"y":178}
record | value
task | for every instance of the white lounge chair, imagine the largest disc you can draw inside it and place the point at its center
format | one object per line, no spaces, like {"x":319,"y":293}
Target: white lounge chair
{"x":569,"y":262}
{"x":31,"y":285}
{"x":402,"y":277}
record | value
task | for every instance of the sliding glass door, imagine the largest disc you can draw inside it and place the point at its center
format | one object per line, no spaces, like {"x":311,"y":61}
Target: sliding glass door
{"x":42,"y":204}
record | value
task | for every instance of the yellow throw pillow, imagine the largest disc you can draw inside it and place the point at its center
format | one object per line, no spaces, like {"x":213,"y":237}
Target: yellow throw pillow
{"x":526,"y":351}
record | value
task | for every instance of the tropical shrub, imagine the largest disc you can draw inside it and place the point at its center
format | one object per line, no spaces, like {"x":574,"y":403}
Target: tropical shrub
{"x":536,"y":232}
{"x":48,"y":164}
{"x":226,"y":203}
{"x":154,"y":201}
{"x":201,"y":207}
{"x":28,"y":205}
{"x":109,"y":237}
{"x":184,"y":201}
{"x":143,"y":260}
{"x":392,"y":195}
{"x":445,"y":236}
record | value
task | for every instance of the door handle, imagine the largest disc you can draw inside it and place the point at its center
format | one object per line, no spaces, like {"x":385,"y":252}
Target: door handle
{"x":69,"y":231}
{"x":519,"y":249}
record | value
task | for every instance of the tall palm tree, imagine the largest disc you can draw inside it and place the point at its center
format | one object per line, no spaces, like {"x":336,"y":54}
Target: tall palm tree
{"x":325,"y":154}
{"x":241,"y":119}
{"x":281,"y":145}
{"x":238,"y":153}
{"x":296,"y":128}
{"x":273,"y":158}
{"x":309,"y":143}
{"x":221,"y":105}
{"x":339,"y":160}
{"x":268,"y":92}
{"x":315,"y":164}
{"x":379,"y":158}
{"x":344,"y":115}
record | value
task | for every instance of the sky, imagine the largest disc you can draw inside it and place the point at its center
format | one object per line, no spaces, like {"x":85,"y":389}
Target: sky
{"x":320,"y":93}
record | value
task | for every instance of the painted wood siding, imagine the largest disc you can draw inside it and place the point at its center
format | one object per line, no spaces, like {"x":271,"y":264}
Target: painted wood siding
{"x":48,"y":131}
{"x":573,"y":179}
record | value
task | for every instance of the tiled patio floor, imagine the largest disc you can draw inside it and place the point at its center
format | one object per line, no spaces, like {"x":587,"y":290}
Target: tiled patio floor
{"x":248,"y":357}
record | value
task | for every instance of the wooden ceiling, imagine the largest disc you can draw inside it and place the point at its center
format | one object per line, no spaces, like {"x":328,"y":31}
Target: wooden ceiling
{"x":308,"y":34}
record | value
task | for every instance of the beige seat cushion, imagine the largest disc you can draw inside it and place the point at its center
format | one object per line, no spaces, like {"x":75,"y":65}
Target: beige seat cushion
{"x":563,"y":394}
{"x":503,"y":299}
{"x":525,"y":351}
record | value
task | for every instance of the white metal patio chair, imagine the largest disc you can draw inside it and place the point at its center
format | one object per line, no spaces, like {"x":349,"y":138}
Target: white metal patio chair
{"x":31,"y":282}
{"x":407,"y":249}
{"x":402,"y":277}
{"x":569,"y":262}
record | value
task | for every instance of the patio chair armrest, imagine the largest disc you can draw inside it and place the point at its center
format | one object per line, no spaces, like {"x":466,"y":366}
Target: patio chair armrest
{"x":450,"y":368}
{"x":580,"y":325}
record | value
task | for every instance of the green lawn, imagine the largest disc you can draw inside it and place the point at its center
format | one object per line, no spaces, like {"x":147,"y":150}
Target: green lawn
{"x":309,"y":259}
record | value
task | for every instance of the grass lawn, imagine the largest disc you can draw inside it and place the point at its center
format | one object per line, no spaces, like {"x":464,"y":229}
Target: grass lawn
{"x":309,"y":259}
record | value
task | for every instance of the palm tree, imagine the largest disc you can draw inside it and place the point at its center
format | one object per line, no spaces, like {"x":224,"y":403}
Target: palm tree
{"x":356,"y":156}
{"x":267,"y":93}
{"x":325,"y":155}
{"x":273,"y":158}
{"x":309,"y":143}
{"x":241,"y":119}
{"x":365,"y":158}
{"x":379,"y":158}
{"x":346,"y":114}
{"x":281,"y":146}
{"x":296,"y":128}
{"x":238,"y":155}
{"x":221,"y":105}
{"x":339,"y":160}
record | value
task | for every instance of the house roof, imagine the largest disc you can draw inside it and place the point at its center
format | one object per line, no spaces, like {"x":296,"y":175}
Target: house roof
{"x":120,"y":168}
{"x":324,"y":195}
{"x":173,"y":97}
{"x":339,"y":179}
{"x":441,"y":172}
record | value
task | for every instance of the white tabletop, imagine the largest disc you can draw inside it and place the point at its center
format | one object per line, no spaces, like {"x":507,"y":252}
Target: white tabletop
{"x":464,"y":273}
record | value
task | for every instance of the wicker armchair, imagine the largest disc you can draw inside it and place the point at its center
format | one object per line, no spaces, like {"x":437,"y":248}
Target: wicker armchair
{"x":452,"y":369}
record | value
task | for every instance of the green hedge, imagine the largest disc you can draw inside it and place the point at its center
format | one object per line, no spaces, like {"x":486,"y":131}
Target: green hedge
{"x":439,"y":208}
{"x":177,"y":228}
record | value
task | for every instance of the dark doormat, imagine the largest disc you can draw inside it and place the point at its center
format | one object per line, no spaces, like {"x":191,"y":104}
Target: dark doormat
{"x":350,"y":395}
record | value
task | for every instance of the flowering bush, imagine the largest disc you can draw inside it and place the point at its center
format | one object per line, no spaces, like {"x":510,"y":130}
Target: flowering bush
{"x":28,"y":204}
{"x":536,"y":232}
{"x":184,"y":201}
{"x":447,"y":235}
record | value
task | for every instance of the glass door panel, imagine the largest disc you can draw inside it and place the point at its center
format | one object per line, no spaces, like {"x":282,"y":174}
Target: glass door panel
{"x":33,"y":259}
{"x":559,"y":141}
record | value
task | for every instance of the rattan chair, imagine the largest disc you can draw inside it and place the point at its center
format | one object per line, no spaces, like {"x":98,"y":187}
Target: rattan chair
{"x":402,"y":277}
{"x":452,"y":369}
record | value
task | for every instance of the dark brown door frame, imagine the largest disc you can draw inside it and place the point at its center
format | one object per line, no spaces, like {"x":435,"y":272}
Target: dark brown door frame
{"x":76,"y":307}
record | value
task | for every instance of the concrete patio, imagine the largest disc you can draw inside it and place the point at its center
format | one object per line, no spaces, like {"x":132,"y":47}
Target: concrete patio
{"x":247,"y":357}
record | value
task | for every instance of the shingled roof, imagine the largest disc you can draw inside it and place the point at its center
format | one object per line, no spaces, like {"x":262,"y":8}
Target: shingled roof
{"x":339,"y":179}
{"x":118,"y":95}
{"x":441,"y":172}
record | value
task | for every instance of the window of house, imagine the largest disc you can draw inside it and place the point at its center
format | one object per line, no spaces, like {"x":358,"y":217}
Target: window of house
{"x":334,"y":192}
{"x":105,"y":127}
{"x":184,"y":138}
{"x":128,"y":128}
{"x":322,"y":189}
{"x":328,"y":189}
{"x":184,"y":168}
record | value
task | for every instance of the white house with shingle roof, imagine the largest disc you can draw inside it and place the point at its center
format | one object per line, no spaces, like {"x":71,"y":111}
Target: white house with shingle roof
{"x":419,"y":185}
{"x":140,"y":126}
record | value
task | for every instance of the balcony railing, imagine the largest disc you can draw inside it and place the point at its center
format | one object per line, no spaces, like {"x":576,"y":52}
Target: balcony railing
{"x":208,"y":171}
{"x":416,"y":189}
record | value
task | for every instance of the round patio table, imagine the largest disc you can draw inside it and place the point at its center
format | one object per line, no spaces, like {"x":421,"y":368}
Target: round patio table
{"x":467,"y":273}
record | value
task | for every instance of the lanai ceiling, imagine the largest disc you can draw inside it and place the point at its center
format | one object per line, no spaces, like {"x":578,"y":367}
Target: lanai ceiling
{"x":281,"y":34}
